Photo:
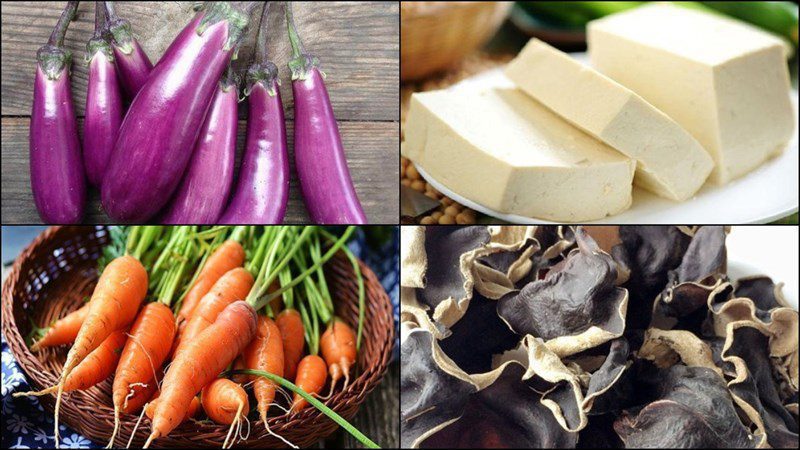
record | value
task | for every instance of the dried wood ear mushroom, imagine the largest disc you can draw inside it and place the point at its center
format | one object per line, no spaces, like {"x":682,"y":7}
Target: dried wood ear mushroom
{"x":613,"y":337}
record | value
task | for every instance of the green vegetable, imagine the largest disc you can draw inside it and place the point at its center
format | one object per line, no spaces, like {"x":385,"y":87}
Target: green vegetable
{"x":790,"y":220}
{"x":777,"y":17}
{"x":575,"y":14}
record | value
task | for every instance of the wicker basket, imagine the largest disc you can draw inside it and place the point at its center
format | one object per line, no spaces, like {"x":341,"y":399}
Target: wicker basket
{"x":58,"y":270}
{"x":436,"y":38}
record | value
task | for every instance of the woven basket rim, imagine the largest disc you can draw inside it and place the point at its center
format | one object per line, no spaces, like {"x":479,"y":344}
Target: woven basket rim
{"x":438,"y":8}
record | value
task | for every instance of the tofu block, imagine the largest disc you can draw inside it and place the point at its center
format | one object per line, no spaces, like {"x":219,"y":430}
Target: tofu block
{"x":724,"y":81}
{"x":669,"y":161}
{"x":509,"y":153}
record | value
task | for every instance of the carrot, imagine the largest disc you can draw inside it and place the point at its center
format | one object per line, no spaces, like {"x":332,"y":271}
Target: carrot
{"x":226,"y":257}
{"x":99,"y":365}
{"x":225,"y":402}
{"x":95,"y":368}
{"x":114,"y":303}
{"x":150,"y":341}
{"x":200,"y":362}
{"x":290,"y":325}
{"x":194,"y":407}
{"x":150,"y":409}
{"x":276,"y":303}
{"x":338,"y":346}
{"x":239,"y":364}
{"x":232,"y":286}
{"x":141,"y":395}
{"x":265,"y":352}
{"x":311,"y":377}
{"x":64,"y":330}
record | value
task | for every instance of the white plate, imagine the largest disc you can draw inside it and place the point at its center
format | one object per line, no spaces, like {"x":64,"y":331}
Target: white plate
{"x":753,"y":251}
{"x":764,"y":195}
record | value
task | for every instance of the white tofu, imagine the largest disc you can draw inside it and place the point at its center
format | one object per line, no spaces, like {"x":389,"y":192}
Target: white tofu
{"x":670,"y":162}
{"x":509,"y":153}
{"x":724,"y":81}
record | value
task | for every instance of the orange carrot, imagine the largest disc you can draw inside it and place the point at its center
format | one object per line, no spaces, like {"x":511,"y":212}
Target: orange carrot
{"x":338,"y":346}
{"x":232,"y":286}
{"x":311,"y":377}
{"x":239,"y":364}
{"x":99,"y":365}
{"x":290,"y":324}
{"x":226,"y":257}
{"x":95,"y":368}
{"x":150,"y":409}
{"x":150,"y":341}
{"x":226,"y":403}
{"x":114,"y":303}
{"x":64,"y":330}
{"x":265,"y":352}
{"x":141,"y":395}
{"x":276,"y":303}
{"x":194,"y":407}
{"x":200,"y":362}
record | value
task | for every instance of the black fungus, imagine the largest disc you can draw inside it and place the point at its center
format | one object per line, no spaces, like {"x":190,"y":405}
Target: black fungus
{"x":637,"y":339}
{"x":757,"y":386}
{"x":478,"y":335}
{"x":444,"y":247}
{"x":691,"y":408}
{"x":570,"y":299}
{"x":506,"y":414}
{"x":648,"y":253}
{"x":702,"y":270}
{"x":429,"y":396}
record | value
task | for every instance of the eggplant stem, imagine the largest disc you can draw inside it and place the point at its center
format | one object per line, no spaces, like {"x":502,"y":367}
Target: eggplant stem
{"x":99,"y":17}
{"x":261,"y":44}
{"x":297,"y":45}
{"x":57,"y":37}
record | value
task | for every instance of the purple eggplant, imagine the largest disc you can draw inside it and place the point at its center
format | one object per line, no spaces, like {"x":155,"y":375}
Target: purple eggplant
{"x":262,"y":191}
{"x":318,"y":152}
{"x":158,"y":134}
{"x":132,"y":63}
{"x":203,"y":193}
{"x":103,"y":103}
{"x":57,"y":178}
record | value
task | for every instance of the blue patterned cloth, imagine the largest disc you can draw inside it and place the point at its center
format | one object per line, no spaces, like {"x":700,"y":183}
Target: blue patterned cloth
{"x":26,"y":424}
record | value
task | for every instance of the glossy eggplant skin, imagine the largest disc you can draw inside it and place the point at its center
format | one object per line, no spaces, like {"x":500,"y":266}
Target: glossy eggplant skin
{"x":203,"y":193}
{"x":133,"y":65}
{"x":319,"y":156}
{"x":328,"y":190}
{"x":158,"y":134}
{"x":104,"y":113}
{"x":262,"y":191}
{"x":57,"y":177}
